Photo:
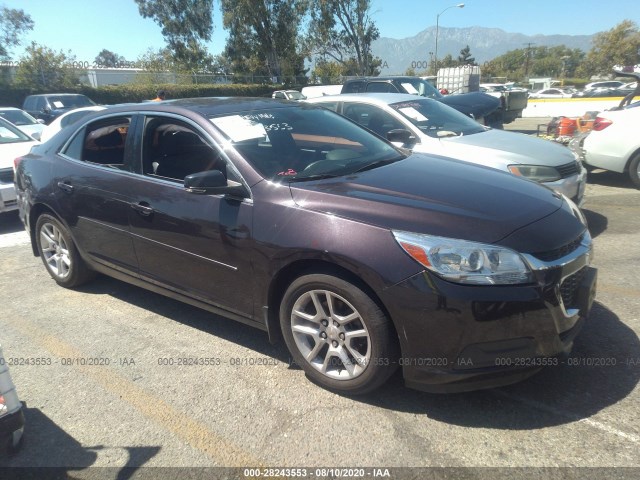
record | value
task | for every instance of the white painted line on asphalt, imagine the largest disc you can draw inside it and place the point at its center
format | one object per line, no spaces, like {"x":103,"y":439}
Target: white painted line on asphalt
{"x":572,"y":416}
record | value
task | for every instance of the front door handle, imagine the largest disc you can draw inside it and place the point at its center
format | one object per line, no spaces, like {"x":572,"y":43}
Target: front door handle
{"x":142,"y":208}
{"x":65,"y":187}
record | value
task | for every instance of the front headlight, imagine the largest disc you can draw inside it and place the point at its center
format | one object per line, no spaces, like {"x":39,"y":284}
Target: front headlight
{"x":465,"y":262}
{"x":538,"y":173}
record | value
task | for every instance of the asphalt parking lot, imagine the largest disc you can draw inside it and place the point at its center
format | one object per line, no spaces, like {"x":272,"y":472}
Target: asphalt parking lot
{"x":103,"y":374}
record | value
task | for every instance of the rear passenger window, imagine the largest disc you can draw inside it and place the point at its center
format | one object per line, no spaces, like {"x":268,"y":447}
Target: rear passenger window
{"x":101,"y":142}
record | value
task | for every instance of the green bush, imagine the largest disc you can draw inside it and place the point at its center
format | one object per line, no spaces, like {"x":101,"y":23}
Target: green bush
{"x":13,"y":97}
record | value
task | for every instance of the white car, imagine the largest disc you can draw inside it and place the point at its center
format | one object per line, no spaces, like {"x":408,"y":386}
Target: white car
{"x":613,"y":143}
{"x":603,"y":84}
{"x":67,"y":119}
{"x":288,"y":95}
{"x":428,"y":126}
{"x":11,"y":415}
{"x":553,"y":93}
{"x":13,"y":143}
{"x":23,"y":121}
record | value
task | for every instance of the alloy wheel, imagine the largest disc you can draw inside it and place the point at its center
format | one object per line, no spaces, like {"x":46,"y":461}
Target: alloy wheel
{"x":330,"y":334}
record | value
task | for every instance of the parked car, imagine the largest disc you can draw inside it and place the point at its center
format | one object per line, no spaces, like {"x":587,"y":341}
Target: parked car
{"x":477,"y":105}
{"x":293,"y":219}
{"x":13,"y":143}
{"x":51,"y":105}
{"x":553,"y":93}
{"x":603,"y":84}
{"x":67,"y":119}
{"x":23,"y":121}
{"x":288,"y":95}
{"x":613,"y":143}
{"x":11,"y":415}
{"x":427,"y":126}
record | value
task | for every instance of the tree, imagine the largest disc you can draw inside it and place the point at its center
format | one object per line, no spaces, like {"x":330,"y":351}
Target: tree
{"x":13,"y":24}
{"x":186,"y":24}
{"x":558,"y":61}
{"x":263,"y":36}
{"x":344,"y":31}
{"x":465,"y":57}
{"x":109,"y":59}
{"x":618,"y":46}
{"x":44,"y":69}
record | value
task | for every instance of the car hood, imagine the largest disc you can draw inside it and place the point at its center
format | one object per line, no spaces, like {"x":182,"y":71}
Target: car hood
{"x":497,"y":148}
{"x":477,"y":104}
{"x":435,"y":195}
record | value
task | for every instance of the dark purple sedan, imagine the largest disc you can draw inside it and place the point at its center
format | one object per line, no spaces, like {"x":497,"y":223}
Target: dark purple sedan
{"x":297,"y":221}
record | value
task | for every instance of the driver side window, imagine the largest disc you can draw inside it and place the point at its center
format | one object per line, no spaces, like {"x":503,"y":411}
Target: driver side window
{"x":172,"y":149}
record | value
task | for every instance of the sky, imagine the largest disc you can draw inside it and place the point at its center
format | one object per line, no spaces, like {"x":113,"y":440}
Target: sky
{"x":85,"y":27}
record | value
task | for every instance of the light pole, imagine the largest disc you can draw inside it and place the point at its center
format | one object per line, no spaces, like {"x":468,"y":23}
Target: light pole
{"x":459,"y":5}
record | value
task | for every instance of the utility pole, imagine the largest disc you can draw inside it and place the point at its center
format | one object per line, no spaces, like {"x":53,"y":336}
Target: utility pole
{"x":526,"y":61}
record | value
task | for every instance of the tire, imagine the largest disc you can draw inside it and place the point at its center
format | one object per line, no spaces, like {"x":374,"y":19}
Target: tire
{"x":338,"y":335}
{"x":634,"y":170}
{"x":59,"y":254}
{"x":15,"y":442}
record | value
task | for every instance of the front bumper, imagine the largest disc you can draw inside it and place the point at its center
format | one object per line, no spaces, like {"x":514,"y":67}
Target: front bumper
{"x":459,"y":337}
{"x":572,"y":187}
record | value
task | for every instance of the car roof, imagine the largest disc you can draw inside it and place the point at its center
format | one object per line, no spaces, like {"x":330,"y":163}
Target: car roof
{"x":58,"y":95}
{"x":208,"y":106}
{"x":373,"y":98}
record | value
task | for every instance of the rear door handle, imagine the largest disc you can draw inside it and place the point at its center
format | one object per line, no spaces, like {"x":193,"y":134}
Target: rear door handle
{"x":142,"y":208}
{"x":65,"y":187}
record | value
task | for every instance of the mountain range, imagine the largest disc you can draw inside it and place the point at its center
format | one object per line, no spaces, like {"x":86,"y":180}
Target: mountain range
{"x":485,"y":44}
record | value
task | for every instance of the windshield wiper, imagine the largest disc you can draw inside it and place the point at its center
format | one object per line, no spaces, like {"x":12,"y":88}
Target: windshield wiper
{"x":378,"y":163}
{"x":319,"y":176}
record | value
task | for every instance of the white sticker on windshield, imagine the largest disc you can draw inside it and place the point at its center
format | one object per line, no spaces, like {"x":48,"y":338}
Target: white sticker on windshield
{"x":413,"y":114}
{"x":238,"y":128}
{"x":410,"y":88}
{"x":58,"y":104}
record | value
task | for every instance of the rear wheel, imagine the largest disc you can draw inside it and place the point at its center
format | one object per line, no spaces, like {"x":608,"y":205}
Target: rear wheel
{"x":59,"y":254}
{"x":634,"y":170}
{"x":338,"y":334}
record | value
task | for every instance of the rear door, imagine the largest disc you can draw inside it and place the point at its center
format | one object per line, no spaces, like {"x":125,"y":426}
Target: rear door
{"x":93,"y":186}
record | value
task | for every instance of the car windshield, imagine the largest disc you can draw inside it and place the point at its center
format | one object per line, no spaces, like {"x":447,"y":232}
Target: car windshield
{"x":305,"y":143}
{"x":10,"y":134}
{"x":436,"y":119}
{"x":70,"y":101}
{"x":18,"y":117}
{"x":420,"y":87}
{"x":296,"y":95}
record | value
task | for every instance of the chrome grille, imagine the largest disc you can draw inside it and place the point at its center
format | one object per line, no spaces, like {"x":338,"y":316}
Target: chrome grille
{"x":552,"y":255}
{"x":569,"y":169}
{"x":569,"y":288}
{"x":6,"y":175}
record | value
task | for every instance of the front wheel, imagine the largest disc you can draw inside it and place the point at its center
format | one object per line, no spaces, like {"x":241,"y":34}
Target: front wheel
{"x":634,"y":170}
{"x":59,"y":254}
{"x":338,"y":334}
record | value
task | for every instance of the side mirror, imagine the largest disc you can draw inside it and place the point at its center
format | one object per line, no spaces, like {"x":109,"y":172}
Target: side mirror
{"x":401,"y":135}
{"x":213,"y":182}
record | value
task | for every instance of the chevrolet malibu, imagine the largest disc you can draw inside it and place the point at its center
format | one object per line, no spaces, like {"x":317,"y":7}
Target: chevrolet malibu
{"x":297,"y":221}
{"x":428,"y":126}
